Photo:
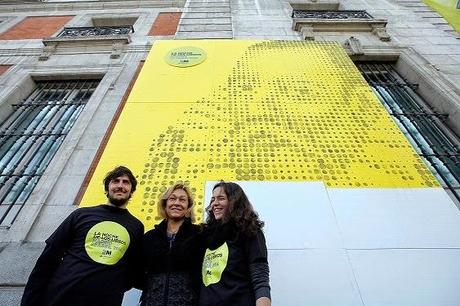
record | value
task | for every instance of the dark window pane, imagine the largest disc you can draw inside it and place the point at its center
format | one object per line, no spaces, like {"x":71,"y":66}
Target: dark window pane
{"x":31,"y":136}
{"x":423,"y":127}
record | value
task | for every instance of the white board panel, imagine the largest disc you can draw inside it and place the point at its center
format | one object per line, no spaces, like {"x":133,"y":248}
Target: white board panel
{"x":428,"y":277}
{"x":396,"y":218}
{"x":296,"y":215}
{"x":312,"y":277}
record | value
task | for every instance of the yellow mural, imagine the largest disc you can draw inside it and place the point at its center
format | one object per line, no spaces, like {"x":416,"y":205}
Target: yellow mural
{"x":254,"y":111}
{"x":447,"y":9}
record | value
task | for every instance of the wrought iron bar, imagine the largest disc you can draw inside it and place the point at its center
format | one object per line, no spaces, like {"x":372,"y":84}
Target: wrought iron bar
{"x":24,"y":174}
{"x":36,"y":137}
{"x":30,"y":134}
{"x":38,"y":104}
{"x":421,"y":125}
{"x":19,"y":184}
{"x":340,"y":15}
{"x":447,"y":155}
{"x":16,"y":146}
{"x":419,"y":122}
{"x":19,"y":120}
{"x":433,"y":127}
{"x":27,"y":159}
{"x":96,"y":31}
{"x":408,"y":103}
{"x":425,"y":124}
{"x":34,"y":124}
{"x":420,"y":114}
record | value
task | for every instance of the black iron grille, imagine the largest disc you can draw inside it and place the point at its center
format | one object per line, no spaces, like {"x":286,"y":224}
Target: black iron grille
{"x":341,"y":15}
{"x":31,"y":135}
{"x":424,"y":127}
{"x":96,"y":31}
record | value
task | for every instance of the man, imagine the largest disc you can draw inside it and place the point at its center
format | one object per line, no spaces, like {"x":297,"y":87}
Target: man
{"x":91,"y":258}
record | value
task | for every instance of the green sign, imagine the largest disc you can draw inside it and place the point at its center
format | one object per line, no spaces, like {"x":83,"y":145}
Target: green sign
{"x":185,"y":56}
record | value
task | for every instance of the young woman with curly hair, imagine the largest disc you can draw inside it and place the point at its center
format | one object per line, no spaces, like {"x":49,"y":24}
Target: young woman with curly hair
{"x":235,"y":267}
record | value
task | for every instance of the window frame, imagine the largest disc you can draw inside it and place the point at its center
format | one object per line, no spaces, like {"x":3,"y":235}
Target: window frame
{"x":408,"y":64}
{"x":18,"y":86}
{"x":47,"y":116}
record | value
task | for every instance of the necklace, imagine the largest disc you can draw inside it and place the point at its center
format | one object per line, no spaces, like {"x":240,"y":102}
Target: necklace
{"x":172,"y":232}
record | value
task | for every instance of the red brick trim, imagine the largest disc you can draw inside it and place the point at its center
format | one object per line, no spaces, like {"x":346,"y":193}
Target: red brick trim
{"x":36,"y":27}
{"x":165,"y":24}
{"x":4,"y":68}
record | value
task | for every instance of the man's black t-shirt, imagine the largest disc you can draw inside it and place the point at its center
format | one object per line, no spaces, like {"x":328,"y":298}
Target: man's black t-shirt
{"x":89,"y":260}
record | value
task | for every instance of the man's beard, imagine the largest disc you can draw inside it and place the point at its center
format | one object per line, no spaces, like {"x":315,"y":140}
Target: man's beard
{"x":117,"y":202}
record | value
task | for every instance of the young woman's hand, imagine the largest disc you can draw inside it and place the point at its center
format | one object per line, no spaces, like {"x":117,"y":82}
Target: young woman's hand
{"x":263,"y":301}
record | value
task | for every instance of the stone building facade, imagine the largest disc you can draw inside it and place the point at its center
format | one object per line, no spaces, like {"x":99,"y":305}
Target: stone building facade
{"x":420,"y":45}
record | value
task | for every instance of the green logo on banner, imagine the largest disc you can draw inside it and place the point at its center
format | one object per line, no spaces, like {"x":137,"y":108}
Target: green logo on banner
{"x":107,"y":242}
{"x":185,"y":56}
{"x":214,"y":263}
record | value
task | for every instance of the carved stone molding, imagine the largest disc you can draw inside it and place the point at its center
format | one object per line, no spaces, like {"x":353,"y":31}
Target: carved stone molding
{"x":322,"y":5}
{"x":353,"y":45}
{"x":117,"y":49}
{"x":100,"y":40}
{"x":307,"y":32}
{"x":47,"y":52}
{"x":374,"y":26}
{"x":92,"y":36}
{"x":113,"y":44}
{"x":381,"y":32}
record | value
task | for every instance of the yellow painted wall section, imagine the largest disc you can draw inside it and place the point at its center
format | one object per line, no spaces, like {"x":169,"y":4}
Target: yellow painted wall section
{"x":255,"y":111}
{"x":447,"y":9}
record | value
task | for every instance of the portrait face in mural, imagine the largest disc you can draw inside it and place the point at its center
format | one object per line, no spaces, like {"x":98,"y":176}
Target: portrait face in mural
{"x":177,"y":205}
{"x":219,"y":203}
{"x":273,"y":140}
{"x":119,"y":190}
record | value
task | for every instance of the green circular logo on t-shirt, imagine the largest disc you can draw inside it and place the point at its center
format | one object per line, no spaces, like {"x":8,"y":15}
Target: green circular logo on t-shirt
{"x":107,"y":242}
{"x":185,"y":56}
{"x":214,"y":264}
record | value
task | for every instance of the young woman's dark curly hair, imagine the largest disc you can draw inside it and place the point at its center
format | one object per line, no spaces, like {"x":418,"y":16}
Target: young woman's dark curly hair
{"x":240,"y":210}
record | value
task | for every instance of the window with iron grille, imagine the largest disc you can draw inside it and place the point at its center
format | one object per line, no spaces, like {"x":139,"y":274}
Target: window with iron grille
{"x":31,"y":135}
{"x":424,"y":127}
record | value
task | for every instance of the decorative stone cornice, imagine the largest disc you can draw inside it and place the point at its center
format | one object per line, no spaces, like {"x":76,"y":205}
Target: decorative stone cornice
{"x":381,"y":32}
{"x":307,"y":32}
{"x":323,"y":5}
{"x":101,"y":40}
{"x":113,"y":42}
{"x":353,"y":46}
{"x":338,"y":22}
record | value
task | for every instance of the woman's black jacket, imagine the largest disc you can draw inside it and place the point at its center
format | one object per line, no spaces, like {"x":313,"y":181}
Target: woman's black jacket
{"x":172,"y":272}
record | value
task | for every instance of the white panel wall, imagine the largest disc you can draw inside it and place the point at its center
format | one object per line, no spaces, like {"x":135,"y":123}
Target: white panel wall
{"x":330,"y":246}
{"x":357,"y":247}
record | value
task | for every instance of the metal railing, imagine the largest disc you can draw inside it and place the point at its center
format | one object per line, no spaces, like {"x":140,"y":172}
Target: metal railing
{"x":31,"y":135}
{"x":78,"y":32}
{"x":425,"y":128}
{"x":340,"y":15}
